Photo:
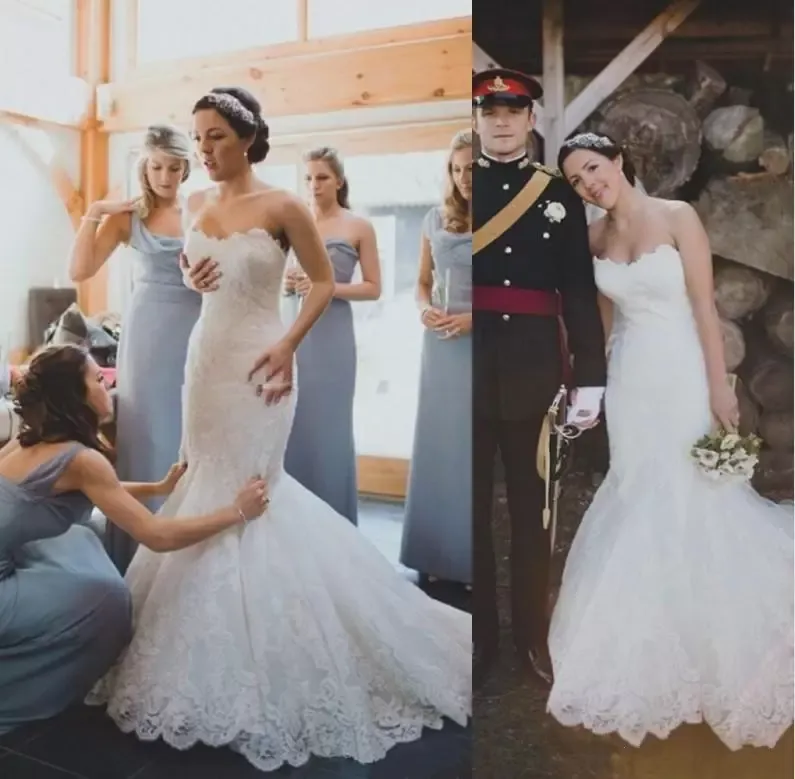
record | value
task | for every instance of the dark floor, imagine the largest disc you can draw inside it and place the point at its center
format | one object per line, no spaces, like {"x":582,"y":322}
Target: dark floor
{"x":85,"y":744}
{"x":514,"y":738}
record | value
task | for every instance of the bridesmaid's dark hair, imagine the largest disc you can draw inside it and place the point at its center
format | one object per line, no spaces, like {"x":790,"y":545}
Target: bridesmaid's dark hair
{"x":243,"y":113}
{"x":50,"y":399}
{"x":332,"y":158}
{"x":600,"y":144}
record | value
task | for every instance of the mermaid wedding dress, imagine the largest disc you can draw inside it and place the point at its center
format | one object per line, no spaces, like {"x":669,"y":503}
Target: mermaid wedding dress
{"x":289,"y":636}
{"x":677,"y":597}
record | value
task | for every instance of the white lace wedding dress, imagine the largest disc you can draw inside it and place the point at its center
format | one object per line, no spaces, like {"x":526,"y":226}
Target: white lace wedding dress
{"x":292,"y":635}
{"x":677,"y":597}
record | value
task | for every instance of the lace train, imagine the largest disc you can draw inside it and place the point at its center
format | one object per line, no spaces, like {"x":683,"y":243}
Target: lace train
{"x":676,"y":604}
{"x":240,"y":641}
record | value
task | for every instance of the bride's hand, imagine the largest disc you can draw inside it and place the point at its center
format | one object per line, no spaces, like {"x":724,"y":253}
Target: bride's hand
{"x":202,"y":277}
{"x":277,"y":362}
{"x":725,"y":408}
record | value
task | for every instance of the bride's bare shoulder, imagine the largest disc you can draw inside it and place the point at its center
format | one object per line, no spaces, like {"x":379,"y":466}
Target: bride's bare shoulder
{"x":681,"y":218}
{"x":673,"y":209}
{"x":280,"y":211}
{"x":280,"y":202}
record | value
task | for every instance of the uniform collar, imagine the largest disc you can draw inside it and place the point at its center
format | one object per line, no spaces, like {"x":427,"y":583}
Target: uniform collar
{"x":521,"y":160}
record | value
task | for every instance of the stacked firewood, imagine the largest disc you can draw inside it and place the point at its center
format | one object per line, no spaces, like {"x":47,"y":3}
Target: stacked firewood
{"x":705,"y":141}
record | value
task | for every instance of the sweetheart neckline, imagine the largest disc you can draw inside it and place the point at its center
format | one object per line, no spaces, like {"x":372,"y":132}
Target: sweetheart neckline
{"x":242,"y":233}
{"x":641,"y":256}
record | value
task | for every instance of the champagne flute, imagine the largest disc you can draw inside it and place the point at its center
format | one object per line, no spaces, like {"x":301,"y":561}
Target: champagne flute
{"x":444,"y":300}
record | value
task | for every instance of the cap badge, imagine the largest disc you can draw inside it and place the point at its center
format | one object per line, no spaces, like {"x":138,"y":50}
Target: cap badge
{"x":498,"y":85}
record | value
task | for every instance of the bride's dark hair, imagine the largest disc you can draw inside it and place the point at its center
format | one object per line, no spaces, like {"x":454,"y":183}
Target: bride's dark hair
{"x":600,"y":144}
{"x":243,"y":113}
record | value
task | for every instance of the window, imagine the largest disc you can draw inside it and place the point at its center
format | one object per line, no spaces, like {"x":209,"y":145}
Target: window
{"x":394,"y":191}
{"x":174,"y":29}
{"x":326,"y":17}
{"x":36,"y":38}
{"x":37,"y":232}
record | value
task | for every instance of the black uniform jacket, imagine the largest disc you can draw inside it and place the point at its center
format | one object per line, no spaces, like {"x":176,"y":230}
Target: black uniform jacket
{"x":518,"y":359}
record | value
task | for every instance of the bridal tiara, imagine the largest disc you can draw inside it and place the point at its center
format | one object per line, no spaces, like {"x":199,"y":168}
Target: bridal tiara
{"x":590,"y":139}
{"x":231,"y":105}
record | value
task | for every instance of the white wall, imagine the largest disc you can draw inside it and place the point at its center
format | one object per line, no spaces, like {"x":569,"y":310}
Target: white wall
{"x":35,"y":227}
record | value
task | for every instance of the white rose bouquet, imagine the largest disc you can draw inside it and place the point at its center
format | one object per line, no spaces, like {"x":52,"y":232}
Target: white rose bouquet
{"x":724,"y":456}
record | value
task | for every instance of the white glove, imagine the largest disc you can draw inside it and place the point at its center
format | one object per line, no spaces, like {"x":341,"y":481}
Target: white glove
{"x":586,"y":407}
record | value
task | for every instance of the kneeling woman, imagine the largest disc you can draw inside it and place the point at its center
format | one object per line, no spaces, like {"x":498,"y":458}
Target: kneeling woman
{"x":65,"y":611}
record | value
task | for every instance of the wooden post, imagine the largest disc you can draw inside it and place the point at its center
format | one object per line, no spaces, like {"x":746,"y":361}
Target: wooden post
{"x":302,"y":9}
{"x":131,"y":37}
{"x":93,"y":64}
{"x":553,"y":79}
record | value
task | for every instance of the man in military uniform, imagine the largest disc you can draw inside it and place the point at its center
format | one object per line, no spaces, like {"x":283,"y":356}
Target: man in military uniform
{"x":534,"y":309}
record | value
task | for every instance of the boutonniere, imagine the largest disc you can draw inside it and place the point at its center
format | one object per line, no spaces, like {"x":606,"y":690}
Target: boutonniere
{"x":555,"y":212}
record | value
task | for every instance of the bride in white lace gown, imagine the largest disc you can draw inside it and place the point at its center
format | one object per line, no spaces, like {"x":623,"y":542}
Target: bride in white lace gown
{"x":290,"y":635}
{"x":677,"y":597}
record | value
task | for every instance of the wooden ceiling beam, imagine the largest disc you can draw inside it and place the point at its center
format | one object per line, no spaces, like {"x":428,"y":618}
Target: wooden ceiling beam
{"x":190,"y":67}
{"x":690,"y":28}
{"x":402,"y":138}
{"x":399,"y":74}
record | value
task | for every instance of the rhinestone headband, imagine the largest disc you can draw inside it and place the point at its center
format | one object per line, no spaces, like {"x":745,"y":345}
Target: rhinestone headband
{"x":231,"y":106}
{"x":591,"y":140}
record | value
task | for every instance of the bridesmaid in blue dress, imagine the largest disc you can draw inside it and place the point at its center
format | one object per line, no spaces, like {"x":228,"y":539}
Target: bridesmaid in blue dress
{"x":160,"y":317}
{"x":65,"y":611}
{"x":437,"y":530}
{"x":321,"y":453}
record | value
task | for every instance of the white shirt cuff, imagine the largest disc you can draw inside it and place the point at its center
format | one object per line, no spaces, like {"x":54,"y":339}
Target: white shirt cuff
{"x":586,"y":407}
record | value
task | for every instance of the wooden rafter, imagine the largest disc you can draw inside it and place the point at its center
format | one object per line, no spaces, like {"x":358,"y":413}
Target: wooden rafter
{"x":626,"y":62}
{"x":481,"y":59}
{"x":554,"y":79}
{"x":59,"y":177}
{"x":411,"y":71}
{"x":395,"y":139}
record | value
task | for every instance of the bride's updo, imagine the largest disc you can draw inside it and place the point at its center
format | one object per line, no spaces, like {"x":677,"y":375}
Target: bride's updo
{"x":243,"y":113}
{"x":600,"y":144}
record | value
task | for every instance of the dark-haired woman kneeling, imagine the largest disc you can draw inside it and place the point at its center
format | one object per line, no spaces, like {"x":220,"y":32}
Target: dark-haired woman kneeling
{"x":65,"y":612}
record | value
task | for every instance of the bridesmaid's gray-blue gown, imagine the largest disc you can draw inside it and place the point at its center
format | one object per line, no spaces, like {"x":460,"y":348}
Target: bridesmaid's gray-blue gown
{"x":437,"y":529}
{"x":65,"y":611}
{"x":320,"y":452}
{"x":151,"y":368}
